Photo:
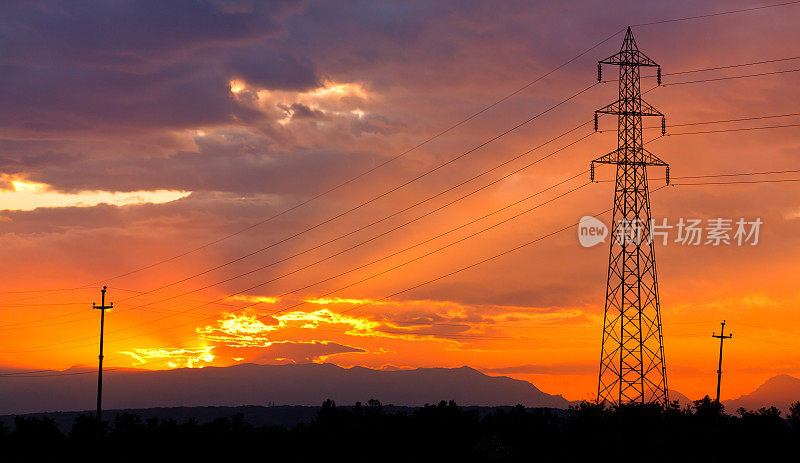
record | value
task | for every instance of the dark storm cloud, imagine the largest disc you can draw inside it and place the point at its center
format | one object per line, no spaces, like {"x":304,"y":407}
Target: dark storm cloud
{"x":121,"y":32}
{"x":272,"y":69}
{"x":301,"y":111}
{"x":539,"y":298}
{"x":89,"y":66}
{"x":301,"y":352}
{"x":124,"y":70}
{"x":23,"y":155}
{"x":374,"y":123}
{"x":243,"y":168}
{"x":60,"y":98}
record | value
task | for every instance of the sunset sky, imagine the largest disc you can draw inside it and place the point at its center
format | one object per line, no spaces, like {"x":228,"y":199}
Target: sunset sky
{"x":154,"y":147}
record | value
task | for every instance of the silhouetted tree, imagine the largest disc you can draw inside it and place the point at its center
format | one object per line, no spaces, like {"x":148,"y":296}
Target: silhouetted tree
{"x":439,"y":432}
{"x":794,"y":415}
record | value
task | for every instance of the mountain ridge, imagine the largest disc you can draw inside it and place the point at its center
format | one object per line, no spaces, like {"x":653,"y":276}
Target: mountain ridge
{"x":307,"y":384}
{"x":255,"y":384}
{"x":780,"y":391}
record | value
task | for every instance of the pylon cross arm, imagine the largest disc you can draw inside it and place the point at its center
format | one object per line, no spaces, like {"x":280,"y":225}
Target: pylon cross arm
{"x":629,"y":58}
{"x":615,"y":108}
{"x":615,"y":157}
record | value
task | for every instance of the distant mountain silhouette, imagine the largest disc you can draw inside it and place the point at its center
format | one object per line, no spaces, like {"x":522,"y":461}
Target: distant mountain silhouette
{"x":682,"y":399}
{"x":251,"y":384}
{"x":780,"y":391}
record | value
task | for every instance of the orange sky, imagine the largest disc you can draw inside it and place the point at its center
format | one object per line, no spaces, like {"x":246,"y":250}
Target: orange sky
{"x":109,"y":182}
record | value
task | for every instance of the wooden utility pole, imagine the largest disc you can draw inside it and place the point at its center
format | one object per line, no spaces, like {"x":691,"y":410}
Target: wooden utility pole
{"x":102,"y":307}
{"x":722,"y":339}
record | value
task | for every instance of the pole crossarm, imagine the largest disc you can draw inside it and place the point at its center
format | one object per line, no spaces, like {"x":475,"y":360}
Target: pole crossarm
{"x":621,"y":108}
{"x":629,"y":58}
{"x":617,"y":157}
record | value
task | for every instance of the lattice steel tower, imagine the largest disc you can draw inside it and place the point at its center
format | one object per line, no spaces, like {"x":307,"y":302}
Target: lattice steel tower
{"x":632,"y":368}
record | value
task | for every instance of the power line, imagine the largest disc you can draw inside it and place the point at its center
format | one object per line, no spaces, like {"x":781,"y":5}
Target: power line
{"x":739,"y":181}
{"x":40,"y":304}
{"x":35,"y":323}
{"x":666,"y":84}
{"x":768,"y":172}
{"x":720,"y":13}
{"x":55,"y":374}
{"x":730,"y":66}
{"x":50,"y":290}
{"x":738,"y":174}
{"x":438,"y":249}
{"x":740,"y":129}
{"x":718,"y":121}
{"x":480,"y":262}
{"x":23,"y":372}
{"x":741,"y":119}
{"x":730,"y":77}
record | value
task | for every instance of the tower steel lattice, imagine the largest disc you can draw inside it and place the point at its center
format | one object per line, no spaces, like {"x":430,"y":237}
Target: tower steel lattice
{"x":632,"y":368}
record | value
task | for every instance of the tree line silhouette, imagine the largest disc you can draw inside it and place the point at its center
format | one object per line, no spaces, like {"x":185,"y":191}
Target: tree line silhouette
{"x":440,"y":432}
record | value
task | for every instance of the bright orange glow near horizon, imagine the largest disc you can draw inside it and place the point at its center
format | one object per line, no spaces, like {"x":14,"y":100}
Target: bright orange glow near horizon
{"x":216,"y":187}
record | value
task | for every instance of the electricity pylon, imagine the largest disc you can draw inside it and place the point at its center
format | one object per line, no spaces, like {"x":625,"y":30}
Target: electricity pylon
{"x":632,"y":368}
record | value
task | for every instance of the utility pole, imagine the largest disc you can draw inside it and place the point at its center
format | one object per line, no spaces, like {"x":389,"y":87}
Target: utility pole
{"x":722,"y":339}
{"x":632,"y":368}
{"x":102,"y":307}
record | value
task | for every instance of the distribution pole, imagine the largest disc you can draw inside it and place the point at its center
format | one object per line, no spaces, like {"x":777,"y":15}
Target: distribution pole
{"x":722,"y":339}
{"x":632,"y":367}
{"x":102,"y":307}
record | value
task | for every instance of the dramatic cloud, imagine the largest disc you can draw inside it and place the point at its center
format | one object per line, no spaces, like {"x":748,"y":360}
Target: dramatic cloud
{"x":302,"y":352}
